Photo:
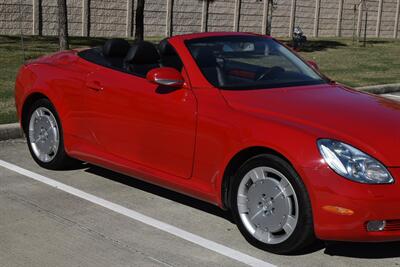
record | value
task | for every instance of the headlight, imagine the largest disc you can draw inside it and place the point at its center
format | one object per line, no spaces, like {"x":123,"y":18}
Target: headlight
{"x":352,"y":163}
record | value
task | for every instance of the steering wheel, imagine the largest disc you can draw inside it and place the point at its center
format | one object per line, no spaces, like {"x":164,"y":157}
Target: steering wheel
{"x":270,"y":72}
{"x":220,"y":62}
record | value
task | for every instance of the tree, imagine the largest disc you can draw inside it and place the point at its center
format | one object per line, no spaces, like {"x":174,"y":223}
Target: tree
{"x":62,"y":24}
{"x":139,"y":20}
{"x":273,"y":5}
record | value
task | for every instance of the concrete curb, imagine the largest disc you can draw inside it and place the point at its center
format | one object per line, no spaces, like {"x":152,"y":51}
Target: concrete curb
{"x":10,"y":131}
{"x":381,"y":89}
{"x":14,"y":131}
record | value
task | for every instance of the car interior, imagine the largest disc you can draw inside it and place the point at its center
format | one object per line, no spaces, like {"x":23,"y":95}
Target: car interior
{"x":141,"y":57}
{"x":225,"y":65}
{"x":137,"y":58}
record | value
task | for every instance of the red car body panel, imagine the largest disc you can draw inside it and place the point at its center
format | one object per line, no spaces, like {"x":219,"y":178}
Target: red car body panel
{"x":185,"y":139}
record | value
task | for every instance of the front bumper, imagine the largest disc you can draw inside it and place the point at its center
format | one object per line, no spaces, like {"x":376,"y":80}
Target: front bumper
{"x":368,"y":203}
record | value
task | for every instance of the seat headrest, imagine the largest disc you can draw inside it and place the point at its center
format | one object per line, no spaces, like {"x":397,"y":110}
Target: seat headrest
{"x":166,"y":49}
{"x":142,"y":52}
{"x":115,"y":48}
{"x":205,"y":57}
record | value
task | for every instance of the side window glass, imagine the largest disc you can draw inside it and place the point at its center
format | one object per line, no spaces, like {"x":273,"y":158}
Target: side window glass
{"x":169,"y":57}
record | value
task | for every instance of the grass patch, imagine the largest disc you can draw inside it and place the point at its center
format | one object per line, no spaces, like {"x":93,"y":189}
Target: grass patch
{"x":339,"y":59}
{"x":353,"y":65}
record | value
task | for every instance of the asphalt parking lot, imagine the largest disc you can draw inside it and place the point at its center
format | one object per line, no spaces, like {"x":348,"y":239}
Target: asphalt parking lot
{"x":94,"y":217}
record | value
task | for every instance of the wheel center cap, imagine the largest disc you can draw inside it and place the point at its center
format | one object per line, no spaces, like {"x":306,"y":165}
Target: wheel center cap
{"x":267,"y":205}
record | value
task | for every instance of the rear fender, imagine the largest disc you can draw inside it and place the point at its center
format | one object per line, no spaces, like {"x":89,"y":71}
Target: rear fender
{"x":29,"y":88}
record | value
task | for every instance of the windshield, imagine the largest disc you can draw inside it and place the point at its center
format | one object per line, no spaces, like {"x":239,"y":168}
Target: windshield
{"x":250,"y":62}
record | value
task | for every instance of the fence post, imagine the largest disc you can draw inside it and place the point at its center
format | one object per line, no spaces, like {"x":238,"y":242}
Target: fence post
{"x":292,"y":18}
{"x":85,"y":17}
{"x":36,"y":24}
{"x":236,"y":16}
{"x":129,"y":18}
{"x":396,"y":26}
{"x":339,"y":19}
{"x":265,"y":17}
{"x":316,"y":17}
{"x":168,"y":31}
{"x":379,"y":19}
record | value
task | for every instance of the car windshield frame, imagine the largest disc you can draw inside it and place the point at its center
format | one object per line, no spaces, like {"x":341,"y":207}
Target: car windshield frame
{"x":319,"y":77}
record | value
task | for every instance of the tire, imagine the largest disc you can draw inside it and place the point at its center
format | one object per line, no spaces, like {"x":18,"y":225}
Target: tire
{"x":44,"y":136}
{"x":271,"y":207}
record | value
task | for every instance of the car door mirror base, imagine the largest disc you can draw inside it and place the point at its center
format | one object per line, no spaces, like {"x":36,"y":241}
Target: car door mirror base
{"x":166,"y":76}
{"x":313,"y":64}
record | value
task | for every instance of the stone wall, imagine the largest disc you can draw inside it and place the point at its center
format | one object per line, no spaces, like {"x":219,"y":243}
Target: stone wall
{"x":251,"y":16}
{"x":221,"y":15}
{"x":388,"y":18}
{"x":305,"y":12}
{"x":281,"y":18}
{"x":350,"y":18}
{"x":112,"y":18}
{"x":155,"y":12}
{"x":186,"y":16}
{"x":107,"y":18}
{"x":328,"y":17}
{"x":10,"y":13}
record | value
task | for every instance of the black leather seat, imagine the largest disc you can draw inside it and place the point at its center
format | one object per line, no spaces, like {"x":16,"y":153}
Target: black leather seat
{"x":114,"y":51}
{"x":169,"y":57}
{"x":207,"y":62}
{"x":141,"y":58}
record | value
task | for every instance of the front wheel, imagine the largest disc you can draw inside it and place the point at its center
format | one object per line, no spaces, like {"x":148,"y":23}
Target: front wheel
{"x":45,"y":137}
{"x":271,"y":206}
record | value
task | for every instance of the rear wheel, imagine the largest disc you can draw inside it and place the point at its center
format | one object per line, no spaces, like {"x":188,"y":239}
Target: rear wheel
{"x":45,"y":137}
{"x":271,"y":206}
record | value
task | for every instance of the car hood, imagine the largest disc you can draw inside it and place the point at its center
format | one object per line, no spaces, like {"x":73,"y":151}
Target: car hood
{"x":368,"y":122}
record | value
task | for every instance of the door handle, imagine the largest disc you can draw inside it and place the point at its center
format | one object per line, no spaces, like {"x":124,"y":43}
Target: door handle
{"x":95,"y":85}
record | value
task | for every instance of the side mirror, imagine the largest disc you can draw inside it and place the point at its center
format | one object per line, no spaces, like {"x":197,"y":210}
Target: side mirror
{"x":166,"y":76}
{"x":313,"y":64}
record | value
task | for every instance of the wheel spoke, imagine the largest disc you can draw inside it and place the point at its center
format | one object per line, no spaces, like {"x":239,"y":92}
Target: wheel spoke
{"x":38,"y":113}
{"x":283,"y":183}
{"x":53,"y":121}
{"x":259,"y":234}
{"x":268,"y":237}
{"x":242,"y":202}
{"x":290,"y":224}
{"x":243,"y":208}
{"x":242,"y":199}
{"x":287,"y":190}
{"x":258,"y":173}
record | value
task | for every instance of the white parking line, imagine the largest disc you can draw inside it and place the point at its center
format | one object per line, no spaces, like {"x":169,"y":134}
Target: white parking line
{"x":205,"y":243}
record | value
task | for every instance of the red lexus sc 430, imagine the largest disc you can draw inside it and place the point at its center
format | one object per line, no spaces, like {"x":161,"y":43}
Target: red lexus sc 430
{"x":234,"y":119}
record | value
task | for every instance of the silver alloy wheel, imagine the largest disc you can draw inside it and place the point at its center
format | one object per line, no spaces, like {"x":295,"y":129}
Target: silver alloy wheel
{"x":267,"y":205}
{"x":44,"y":136}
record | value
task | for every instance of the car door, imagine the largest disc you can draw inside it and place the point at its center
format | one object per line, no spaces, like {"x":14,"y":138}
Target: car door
{"x":136,"y":120}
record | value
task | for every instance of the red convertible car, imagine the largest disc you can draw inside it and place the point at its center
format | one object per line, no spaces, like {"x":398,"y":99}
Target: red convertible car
{"x":234,"y":119}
